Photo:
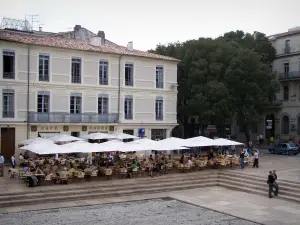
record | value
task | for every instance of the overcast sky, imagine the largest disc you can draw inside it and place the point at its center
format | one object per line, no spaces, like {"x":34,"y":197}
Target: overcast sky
{"x":148,"y":23}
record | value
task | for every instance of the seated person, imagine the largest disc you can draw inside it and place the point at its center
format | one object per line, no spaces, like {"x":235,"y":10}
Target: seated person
{"x":181,"y":161}
{"x":71,"y":170}
{"x":190,"y":162}
{"x":39,"y":171}
{"x":134,"y":165}
{"x":151,"y":158}
{"x":210,"y":154}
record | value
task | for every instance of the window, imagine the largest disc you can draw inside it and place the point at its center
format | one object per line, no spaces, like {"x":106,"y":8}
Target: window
{"x":8,"y":64}
{"x":159,"y":77}
{"x":76,"y":70}
{"x":8,"y":100}
{"x":43,"y":68}
{"x":287,"y":47}
{"x":128,"y":106}
{"x":75,"y":104}
{"x":285,"y":93}
{"x":285,"y":124}
{"x":159,"y":108}
{"x":103,"y":72}
{"x":286,"y":69}
{"x":43,"y":103}
{"x":128,"y":74}
{"x":103,"y":105}
{"x":284,"y":146}
{"x":158,"y":134}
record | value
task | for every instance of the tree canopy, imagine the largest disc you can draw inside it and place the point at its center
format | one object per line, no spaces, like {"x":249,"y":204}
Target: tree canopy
{"x":224,"y":79}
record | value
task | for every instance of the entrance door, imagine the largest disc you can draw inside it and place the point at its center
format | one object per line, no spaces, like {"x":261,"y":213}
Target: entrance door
{"x":75,"y":134}
{"x":7,"y":142}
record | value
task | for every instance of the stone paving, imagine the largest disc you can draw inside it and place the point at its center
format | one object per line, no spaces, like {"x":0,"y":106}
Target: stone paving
{"x":287,"y":167}
{"x":157,"y":211}
{"x":252,"y":207}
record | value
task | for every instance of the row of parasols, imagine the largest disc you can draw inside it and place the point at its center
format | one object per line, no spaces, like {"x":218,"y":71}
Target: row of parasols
{"x":64,"y":144}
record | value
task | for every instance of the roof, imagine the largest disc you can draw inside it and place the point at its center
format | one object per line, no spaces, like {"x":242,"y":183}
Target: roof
{"x":285,"y":34}
{"x":73,"y":44}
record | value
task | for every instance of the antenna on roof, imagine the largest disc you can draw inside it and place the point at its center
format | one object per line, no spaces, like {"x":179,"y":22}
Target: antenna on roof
{"x":15,"y":24}
{"x":33,"y":19}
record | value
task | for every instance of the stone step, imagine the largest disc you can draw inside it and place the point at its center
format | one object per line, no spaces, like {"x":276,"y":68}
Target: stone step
{"x":260,"y":187}
{"x":113,"y":188}
{"x":283,"y":186}
{"x":238,"y":173}
{"x":258,"y":192}
{"x":257,"y":178}
{"x":128,"y":191}
{"x":109,"y":183}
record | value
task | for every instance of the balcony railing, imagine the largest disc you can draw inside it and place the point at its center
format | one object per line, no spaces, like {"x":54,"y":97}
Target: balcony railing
{"x":63,"y":117}
{"x":275,"y":104}
{"x":290,"y":75}
{"x":287,"y":52}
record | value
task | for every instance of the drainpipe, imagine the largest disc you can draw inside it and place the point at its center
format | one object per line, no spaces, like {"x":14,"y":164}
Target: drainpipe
{"x":119,"y":89}
{"x":28,"y":87}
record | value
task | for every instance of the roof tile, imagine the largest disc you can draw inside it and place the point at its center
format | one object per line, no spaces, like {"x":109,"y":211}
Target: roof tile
{"x":81,"y":45}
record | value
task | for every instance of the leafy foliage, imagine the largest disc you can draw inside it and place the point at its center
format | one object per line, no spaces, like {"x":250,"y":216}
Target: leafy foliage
{"x":224,"y":78}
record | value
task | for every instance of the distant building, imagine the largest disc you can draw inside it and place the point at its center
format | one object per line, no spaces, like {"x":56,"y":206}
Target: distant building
{"x":79,"y":82}
{"x":283,"y":116}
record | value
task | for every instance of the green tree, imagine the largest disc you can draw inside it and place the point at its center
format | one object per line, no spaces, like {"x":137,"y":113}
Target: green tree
{"x":224,"y":78}
{"x":251,"y":87}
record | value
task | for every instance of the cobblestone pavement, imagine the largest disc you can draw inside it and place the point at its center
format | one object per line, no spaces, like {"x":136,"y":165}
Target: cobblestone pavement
{"x":158,"y":211}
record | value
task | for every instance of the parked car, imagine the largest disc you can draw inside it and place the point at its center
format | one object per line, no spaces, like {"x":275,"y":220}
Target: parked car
{"x":285,"y":148}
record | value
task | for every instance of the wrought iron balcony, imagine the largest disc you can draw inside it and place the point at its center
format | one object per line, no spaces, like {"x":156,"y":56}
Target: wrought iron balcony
{"x":295,"y":75}
{"x":275,"y":104}
{"x":284,"y":52}
{"x":63,"y":117}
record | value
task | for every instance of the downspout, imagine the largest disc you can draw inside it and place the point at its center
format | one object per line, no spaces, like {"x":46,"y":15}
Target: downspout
{"x":28,"y":89}
{"x":119,"y":89}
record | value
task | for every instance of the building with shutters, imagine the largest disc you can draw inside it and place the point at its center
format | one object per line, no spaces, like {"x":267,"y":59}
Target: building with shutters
{"x":79,"y":82}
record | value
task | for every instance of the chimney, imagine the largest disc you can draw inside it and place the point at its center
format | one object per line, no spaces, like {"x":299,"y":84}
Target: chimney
{"x":130,"y":46}
{"x":40,"y":29}
{"x":96,"y":41}
{"x":77,"y":27}
{"x":102,"y":35}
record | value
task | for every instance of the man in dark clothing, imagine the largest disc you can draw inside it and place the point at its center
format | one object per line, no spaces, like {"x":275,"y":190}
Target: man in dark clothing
{"x":270,"y":182}
{"x":275,"y":183}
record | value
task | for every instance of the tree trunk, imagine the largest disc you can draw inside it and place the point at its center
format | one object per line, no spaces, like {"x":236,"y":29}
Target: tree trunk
{"x":247,"y":133}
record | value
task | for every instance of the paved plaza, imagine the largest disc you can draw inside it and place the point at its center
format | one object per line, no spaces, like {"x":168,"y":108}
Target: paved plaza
{"x":184,"y":207}
{"x":147,"y":212}
{"x":189,"y":208}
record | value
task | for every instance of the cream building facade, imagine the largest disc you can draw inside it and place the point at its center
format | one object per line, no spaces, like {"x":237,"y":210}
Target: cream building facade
{"x":82,"y":85}
{"x":283,"y":116}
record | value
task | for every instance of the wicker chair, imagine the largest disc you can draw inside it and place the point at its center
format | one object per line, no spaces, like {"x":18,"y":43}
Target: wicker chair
{"x":48,"y":179}
{"x":22,"y":177}
{"x":80,"y":176}
{"x":94,"y":174}
{"x":108,"y":173}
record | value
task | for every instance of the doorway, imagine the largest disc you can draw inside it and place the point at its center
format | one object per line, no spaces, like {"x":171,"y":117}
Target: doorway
{"x":8,"y":142}
{"x":270,"y":126}
{"x":75,"y":134}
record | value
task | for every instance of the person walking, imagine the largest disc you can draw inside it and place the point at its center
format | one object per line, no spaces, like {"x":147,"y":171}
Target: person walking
{"x":270,"y":182}
{"x":255,"y":163}
{"x":275,"y":183}
{"x":1,"y":160}
{"x":242,"y":157}
{"x":13,"y":161}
